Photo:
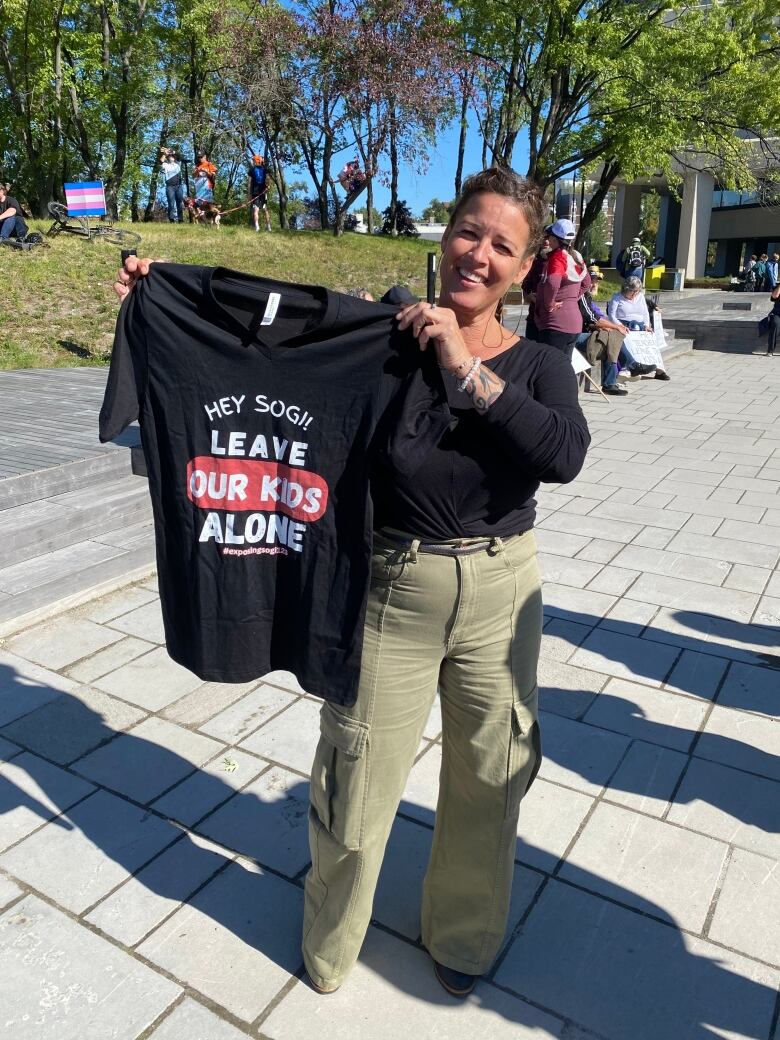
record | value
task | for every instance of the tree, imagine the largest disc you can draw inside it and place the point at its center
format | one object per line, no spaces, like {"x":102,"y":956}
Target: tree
{"x":624,"y":87}
{"x":398,"y":220}
{"x":437,"y":212}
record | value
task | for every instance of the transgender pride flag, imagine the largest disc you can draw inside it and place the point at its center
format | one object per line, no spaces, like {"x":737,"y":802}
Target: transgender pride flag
{"x":85,"y":199}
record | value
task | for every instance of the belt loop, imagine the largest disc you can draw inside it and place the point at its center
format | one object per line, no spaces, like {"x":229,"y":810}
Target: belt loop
{"x":496,"y":546}
{"x":413,"y":550}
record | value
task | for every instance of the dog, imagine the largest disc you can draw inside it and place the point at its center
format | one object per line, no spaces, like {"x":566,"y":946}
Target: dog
{"x":200,"y":212}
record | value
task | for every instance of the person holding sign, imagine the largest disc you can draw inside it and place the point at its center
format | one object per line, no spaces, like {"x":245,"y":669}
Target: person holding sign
{"x":454,"y":604}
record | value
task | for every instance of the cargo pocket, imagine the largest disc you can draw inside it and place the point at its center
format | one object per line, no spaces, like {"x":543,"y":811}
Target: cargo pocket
{"x":525,"y":750}
{"x":338,"y":777}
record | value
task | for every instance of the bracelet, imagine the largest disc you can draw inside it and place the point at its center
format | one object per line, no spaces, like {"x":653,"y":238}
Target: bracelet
{"x":468,"y":361}
{"x":469,"y":377}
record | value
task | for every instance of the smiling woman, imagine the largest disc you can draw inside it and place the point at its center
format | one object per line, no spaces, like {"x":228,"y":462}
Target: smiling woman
{"x":454,"y":604}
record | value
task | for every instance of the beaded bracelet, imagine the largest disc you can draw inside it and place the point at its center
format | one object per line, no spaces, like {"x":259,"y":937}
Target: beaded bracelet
{"x":469,"y":377}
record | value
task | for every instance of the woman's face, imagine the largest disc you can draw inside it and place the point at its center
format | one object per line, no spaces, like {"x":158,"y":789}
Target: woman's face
{"x":483,"y":254}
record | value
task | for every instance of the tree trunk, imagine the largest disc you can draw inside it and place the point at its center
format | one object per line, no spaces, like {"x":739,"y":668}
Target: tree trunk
{"x":281,"y":189}
{"x":135,"y":195}
{"x":155,"y":177}
{"x":609,"y":172}
{"x":393,"y":211}
{"x":464,"y":108}
{"x":369,"y":204}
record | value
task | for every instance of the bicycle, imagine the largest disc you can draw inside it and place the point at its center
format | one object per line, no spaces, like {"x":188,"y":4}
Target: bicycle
{"x":81,"y":226}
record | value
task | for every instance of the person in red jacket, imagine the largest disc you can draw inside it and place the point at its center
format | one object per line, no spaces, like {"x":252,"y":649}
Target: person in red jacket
{"x":564,"y":279}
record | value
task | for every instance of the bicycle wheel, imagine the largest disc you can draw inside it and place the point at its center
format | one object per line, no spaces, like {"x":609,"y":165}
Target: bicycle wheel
{"x":58,"y":211}
{"x":117,"y":236}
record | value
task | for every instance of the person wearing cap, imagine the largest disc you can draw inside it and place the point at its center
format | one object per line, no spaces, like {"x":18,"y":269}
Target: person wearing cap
{"x":633,"y":259}
{"x":258,"y":192}
{"x":564,"y":279}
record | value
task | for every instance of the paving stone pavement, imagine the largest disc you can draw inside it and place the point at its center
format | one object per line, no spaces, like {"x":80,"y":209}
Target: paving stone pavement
{"x":153,"y":827}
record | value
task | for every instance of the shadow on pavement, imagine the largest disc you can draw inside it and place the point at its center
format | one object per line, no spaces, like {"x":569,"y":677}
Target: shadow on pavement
{"x":623,"y":972}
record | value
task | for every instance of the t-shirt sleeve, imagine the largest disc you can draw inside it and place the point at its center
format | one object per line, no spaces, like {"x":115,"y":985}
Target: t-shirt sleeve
{"x":545,"y":428}
{"x":126,"y":382}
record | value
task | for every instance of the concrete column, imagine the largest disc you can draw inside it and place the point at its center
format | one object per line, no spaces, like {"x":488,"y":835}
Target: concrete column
{"x":626,"y":223}
{"x":695,"y":223}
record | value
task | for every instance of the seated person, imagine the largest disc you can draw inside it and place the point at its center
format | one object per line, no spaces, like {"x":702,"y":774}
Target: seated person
{"x":602,"y":340}
{"x":12,"y":223}
{"x":629,"y":307}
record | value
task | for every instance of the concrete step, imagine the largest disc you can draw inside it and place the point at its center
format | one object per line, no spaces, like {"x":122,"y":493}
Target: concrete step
{"x":724,"y":335}
{"x":32,"y":530}
{"x":675,"y":347}
{"x":61,"y":579}
{"x":40,"y":481}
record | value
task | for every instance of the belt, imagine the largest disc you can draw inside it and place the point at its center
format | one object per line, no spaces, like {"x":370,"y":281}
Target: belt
{"x":456,"y":547}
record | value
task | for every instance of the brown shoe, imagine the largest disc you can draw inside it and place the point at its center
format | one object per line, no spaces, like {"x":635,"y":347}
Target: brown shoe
{"x":322,"y":990}
{"x":458,"y":983}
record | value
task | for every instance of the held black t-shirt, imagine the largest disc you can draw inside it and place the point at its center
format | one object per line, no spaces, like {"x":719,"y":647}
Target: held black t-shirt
{"x":262,"y":405}
{"x":481,"y":477}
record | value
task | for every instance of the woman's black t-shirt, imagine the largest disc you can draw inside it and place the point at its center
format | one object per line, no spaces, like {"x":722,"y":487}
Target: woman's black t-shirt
{"x":480,"y":479}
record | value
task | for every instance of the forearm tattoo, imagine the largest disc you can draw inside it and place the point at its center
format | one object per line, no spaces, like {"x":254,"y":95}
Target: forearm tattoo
{"x":485,"y":388}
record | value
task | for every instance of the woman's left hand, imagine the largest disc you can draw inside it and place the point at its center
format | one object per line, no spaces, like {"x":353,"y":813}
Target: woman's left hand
{"x":437,"y":325}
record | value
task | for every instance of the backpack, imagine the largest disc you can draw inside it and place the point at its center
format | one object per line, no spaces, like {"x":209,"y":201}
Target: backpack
{"x":634,"y":257}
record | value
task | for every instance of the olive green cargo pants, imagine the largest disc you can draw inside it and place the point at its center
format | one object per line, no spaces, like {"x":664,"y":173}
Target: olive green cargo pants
{"x":471,"y":626}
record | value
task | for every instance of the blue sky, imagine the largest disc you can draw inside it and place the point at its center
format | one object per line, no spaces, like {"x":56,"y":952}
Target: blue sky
{"x":439,"y":181}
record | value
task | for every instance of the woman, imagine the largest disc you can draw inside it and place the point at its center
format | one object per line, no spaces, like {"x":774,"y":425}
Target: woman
{"x":205,"y":174}
{"x":454,"y":603}
{"x":564,"y":279}
{"x":774,"y":322}
{"x":629,"y":307}
{"x":602,"y":340}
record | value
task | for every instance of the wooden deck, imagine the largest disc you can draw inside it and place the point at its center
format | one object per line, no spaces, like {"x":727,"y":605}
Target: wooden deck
{"x":48,"y":417}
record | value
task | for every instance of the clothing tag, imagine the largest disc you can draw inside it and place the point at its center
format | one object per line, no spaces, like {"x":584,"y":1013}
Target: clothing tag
{"x":271,"y":308}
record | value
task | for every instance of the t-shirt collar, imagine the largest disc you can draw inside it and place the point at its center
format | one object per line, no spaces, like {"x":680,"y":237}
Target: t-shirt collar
{"x":326,"y":297}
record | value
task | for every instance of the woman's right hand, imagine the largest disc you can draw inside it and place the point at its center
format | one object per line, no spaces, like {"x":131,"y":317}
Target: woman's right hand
{"x":133,"y":269}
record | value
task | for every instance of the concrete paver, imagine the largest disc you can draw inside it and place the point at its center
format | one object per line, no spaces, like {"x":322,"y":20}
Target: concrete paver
{"x":163,"y":820}
{"x":748,"y":912}
{"x":651,"y":860}
{"x":68,"y":983}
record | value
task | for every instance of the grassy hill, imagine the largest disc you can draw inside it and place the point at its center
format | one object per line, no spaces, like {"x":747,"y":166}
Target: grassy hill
{"x":57,"y":306}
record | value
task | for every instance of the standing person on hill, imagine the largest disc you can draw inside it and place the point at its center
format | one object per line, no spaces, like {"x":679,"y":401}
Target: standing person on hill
{"x":205,"y":174}
{"x":454,"y":604}
{"x":174,"y":189}
{"x":563,"y":280}
{"x":258,"y":192}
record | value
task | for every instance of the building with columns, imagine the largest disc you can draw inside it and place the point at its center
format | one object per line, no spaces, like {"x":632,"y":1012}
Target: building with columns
{"x":711,"y":231}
